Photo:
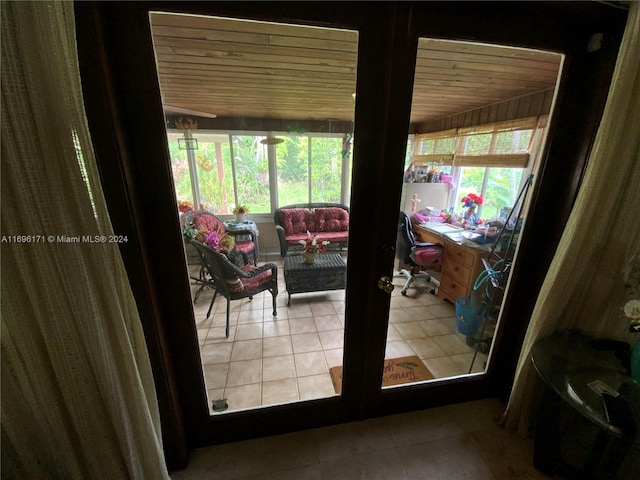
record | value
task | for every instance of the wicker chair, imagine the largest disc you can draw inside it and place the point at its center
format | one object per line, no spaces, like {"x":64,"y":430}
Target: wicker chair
{"x":236,"y":282}
{"x":246,"y":239}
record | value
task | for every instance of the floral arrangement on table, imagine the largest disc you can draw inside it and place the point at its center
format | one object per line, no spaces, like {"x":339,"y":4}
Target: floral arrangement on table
{"x":471,"y":200}
{"x":222,"y":244}
{"x":185,"y":206}
{"x":241,"y":210}
{"x":313,"y":244}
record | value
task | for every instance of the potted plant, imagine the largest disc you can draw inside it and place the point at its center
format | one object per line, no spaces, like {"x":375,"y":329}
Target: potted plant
{"x":241,"y":213}
{"x":312,"y":245}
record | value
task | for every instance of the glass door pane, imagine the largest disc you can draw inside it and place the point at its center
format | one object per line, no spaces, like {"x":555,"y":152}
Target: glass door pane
{"x":463,"y":175}
{"x":258,"y":114}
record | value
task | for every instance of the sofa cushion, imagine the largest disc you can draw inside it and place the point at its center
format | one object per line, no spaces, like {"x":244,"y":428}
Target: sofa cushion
{"x":332,"y":219}
{"x":297,"y":220}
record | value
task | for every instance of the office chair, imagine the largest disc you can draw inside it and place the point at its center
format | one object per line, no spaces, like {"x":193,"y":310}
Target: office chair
{"x":417,"y":255}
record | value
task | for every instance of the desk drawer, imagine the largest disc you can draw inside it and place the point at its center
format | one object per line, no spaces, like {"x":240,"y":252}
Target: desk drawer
{"x":459,"y":272}
{"x":459,"y":254}
{"x":450,"y":289}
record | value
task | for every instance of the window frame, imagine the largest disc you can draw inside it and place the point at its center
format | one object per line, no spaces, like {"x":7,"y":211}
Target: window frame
{"x":345,"y":164}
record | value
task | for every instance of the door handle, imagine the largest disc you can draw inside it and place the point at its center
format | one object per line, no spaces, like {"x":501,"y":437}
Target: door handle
{"x":386,"y":284}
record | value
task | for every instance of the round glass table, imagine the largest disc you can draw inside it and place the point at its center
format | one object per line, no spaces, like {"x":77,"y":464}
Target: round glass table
{"x":589,"y":416}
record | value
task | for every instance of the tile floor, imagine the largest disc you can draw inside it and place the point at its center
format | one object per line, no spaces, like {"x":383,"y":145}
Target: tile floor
{"x":455,"y":442}
{"x":270,"y":360}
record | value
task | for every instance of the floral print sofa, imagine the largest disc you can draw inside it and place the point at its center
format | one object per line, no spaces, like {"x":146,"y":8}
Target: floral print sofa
{"x":330,"y":221}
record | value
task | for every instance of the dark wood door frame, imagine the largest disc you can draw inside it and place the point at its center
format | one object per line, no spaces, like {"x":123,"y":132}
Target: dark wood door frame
{"x":125,"y":118}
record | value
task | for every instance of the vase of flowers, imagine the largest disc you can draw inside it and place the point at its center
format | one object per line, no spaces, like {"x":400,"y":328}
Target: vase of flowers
{"x":185,"y":206}
{"x":241,"y":213}
{"x":312,"y":245}
{"x":471,"y":201}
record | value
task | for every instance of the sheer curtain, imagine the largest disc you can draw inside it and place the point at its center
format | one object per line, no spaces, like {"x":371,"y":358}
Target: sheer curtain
{"x":78,"y":398}
{"x":600,"y":249}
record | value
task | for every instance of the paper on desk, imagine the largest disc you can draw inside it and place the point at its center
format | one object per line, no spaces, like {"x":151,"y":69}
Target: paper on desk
{"x":441,"y":228}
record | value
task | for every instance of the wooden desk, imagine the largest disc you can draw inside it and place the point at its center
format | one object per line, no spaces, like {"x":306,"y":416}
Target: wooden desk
{"x":460,"y":267}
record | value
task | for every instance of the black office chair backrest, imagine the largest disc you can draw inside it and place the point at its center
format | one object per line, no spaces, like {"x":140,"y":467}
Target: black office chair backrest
{"x":405,"y":241}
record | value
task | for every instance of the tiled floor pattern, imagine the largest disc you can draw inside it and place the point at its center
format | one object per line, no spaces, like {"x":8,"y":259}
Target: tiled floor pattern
{"x":270,"y":360}
{"x":456,"y":442}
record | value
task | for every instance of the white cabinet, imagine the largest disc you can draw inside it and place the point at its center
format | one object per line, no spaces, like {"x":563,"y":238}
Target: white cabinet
{"x":434,"y":195}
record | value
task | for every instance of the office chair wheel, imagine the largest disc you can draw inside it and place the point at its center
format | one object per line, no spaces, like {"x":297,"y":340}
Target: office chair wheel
{"x":481,"y":345}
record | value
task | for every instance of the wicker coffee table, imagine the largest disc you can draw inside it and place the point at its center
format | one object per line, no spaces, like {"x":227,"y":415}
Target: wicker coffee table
{"x":328,"y":272}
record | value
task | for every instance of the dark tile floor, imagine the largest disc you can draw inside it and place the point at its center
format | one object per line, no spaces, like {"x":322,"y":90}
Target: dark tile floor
{"x":455,"y":442}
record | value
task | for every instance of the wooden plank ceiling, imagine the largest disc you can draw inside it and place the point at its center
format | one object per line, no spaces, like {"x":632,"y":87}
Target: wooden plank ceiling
{"x":237,"y":68}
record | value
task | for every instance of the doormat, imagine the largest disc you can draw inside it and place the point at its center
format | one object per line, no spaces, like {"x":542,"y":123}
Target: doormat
{"x":396,"y":371}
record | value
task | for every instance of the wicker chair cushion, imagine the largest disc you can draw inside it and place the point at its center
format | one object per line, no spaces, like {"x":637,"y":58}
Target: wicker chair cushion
{"x":246,"y":247}
{"x":254,"y":282}
{"x":297,"y":220}
{"x":332,"y":219}
{"x":208,"y":223}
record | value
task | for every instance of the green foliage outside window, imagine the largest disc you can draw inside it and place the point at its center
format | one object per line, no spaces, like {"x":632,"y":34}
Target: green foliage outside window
{"x":215,"y":174}
{"x":252,"y":173}
{"x":180,"y":170}
{"x":293,"y":170}
{"x":326,"y":169}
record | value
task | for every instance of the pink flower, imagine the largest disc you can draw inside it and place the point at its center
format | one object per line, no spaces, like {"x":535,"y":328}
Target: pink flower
{"x":213,"y":241}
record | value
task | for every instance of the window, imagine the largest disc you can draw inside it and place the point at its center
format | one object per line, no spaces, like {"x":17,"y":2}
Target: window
{"x":227,"y":169}
{"x":490,"y":160}
{"x":433,"y":152}
{"x":436,"y":148}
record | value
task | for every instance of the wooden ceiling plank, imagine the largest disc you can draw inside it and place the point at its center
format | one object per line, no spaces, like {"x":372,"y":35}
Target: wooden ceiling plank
{"x":252,"y":79}
{"x":479,"y":67}
{"x":272,"y":39}
{"x":484,"y":49}
{"x":229,"y":62}
{"x":425,"y":58}
{"x":262,"y":58}
{"x":240,"y":25}
{"x":216,"y":46}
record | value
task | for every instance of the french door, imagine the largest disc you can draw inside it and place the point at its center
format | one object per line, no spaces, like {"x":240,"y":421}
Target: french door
{"x":125,"y":114}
